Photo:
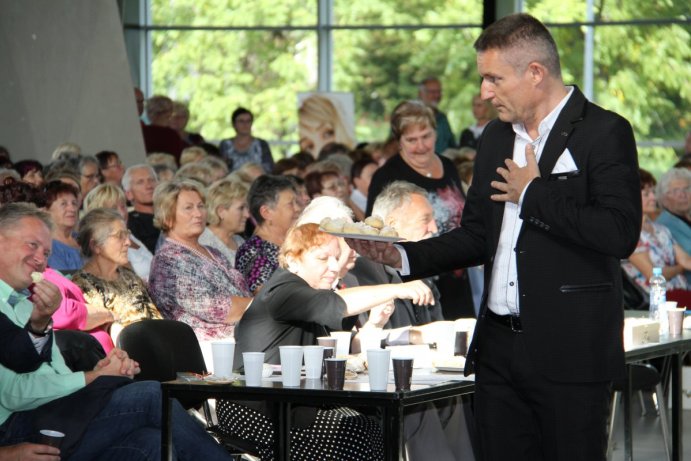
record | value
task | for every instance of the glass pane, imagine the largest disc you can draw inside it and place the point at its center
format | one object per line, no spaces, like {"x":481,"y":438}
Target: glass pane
{"x":556,"y":11}
{"x":387,"y":12}
{"x":215,"y":72}
{"x":383,"y":67}
{"x":236,"y":13}
{"x":643,"y":73}
{"x":618,"y":10}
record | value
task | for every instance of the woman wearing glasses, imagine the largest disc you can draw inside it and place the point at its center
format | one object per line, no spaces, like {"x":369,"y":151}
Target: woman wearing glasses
{"x":106,"y":279}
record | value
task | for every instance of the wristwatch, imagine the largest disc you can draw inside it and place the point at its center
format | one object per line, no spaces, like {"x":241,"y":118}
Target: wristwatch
{"x":47,"y":330}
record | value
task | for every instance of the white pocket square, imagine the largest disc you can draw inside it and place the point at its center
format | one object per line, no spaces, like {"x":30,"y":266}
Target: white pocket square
{"x":565,"y":163}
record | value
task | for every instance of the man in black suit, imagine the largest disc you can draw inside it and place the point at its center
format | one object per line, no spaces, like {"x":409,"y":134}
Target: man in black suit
{"x":554,"y":205}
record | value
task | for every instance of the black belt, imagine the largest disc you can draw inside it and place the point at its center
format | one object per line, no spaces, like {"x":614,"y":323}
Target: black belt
{"x":510,"y":321}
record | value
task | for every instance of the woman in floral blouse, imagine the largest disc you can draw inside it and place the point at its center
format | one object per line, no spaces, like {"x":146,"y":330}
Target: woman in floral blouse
{"x":191,"y":282}
{"x":274,"y":208}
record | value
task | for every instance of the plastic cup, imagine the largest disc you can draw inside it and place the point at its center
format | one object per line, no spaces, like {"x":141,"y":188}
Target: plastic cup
{"x":314,"y":356}
{"x":676,"y":320}
{"x":327,"y":341}
{"x":50,"y":437}
{"x":222,"y":352}
{"x":342,"y":342}
{"x":461,"y":344}
{"x":328,"y":353}
{"x":291,"y":363}
{"x":445,"y":333}
{"x":335,"y":373}
{"x":378,"y":368}
{"x":402,"y":373}
{"x":254,"y":368}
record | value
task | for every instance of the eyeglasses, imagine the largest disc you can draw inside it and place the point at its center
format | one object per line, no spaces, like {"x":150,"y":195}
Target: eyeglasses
{"x":122,"y":235}
{"x":679,"y":191}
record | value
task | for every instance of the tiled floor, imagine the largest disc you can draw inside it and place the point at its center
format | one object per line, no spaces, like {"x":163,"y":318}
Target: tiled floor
{"x":647,"y":436}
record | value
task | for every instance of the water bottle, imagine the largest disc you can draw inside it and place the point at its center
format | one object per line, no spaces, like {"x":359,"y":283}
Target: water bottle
{"x":658,"y":297}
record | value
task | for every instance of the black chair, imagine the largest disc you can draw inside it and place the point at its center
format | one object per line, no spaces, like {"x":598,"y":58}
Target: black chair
{"x":165,"y":347}
{"x":644,"y":378}
{"x":634,"y":297}
{"x":80,"y":350}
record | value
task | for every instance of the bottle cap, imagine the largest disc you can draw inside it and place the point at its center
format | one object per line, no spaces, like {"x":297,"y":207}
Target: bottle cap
{"x":657,"y":271}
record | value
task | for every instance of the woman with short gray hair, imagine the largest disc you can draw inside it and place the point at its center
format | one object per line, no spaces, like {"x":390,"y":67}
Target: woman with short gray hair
{"x":674,"y":195}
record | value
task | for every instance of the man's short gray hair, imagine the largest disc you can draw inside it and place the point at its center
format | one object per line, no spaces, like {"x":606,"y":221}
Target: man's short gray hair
{"x":12,"y":213}
{"x":127,"y":177}
{"x":394,"y":196}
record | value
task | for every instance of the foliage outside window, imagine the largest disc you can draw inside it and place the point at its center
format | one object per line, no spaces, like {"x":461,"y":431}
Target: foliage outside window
{"x":641,"y":68}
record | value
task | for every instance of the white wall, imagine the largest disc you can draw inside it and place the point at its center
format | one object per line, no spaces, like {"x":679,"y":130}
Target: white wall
{"x":64,"y":76}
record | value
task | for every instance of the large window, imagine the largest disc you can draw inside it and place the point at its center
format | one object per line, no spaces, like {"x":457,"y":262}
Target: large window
{"x":218,"y":55}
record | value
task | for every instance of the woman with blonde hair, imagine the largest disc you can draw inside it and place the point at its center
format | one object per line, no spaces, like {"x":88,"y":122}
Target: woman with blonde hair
{"x":321,"y":123}
{"x":110,"y":196}
{"x":227,"y":215}
{"x":189,"y":281}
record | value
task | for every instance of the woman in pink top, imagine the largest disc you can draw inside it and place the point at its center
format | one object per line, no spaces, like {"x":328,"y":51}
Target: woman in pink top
{"x":73,"y":313}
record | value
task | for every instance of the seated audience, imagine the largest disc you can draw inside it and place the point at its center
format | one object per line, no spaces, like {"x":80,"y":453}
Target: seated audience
{"x":110,"y":196}
{"x":483,"y":112}
{"x":219,"y":169}
{"x":196,"y":171}
{"x":63,"y":205}
{"x":30,"y":171}
{"x":274,"y":208}
{"x":139,"y":183}
{"x":674,"y":195}
{"x":360,"y":178}
{"x":111,"y":167}
{"x":158,"y":136}
{"x":103,"y":414}
{"x":192,"y":154}
{"x":66,"y":151}
{"x":191,"y":282}
{"x":294,"y":307}
{"x":178,"y":122}
{"x":244,"y":147}
{"x":657,"y":248}
{"x":286,"y":166}
{"x":227,"y":214}
{"x":106,"y":279}
{"x":90,"y":174}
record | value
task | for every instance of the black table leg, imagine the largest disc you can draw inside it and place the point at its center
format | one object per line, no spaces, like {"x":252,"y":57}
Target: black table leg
{"x":166,"y":426}
{"x":677,"y":421}
{"x":628,"y":436}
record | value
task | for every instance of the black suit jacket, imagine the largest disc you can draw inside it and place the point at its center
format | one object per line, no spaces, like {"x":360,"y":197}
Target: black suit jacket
{"x":17,"y":351}
{"x":576,"y":228}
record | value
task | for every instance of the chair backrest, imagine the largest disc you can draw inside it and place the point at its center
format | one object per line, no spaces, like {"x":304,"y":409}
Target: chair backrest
{"x":162,"y":348}
{"x":80,"y":350}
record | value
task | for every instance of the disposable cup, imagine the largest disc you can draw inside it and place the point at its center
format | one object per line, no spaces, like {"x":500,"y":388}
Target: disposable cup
{"x":676,"y":320}
{"x":222,"y":352}
{"x":326,"y":341}
{"x":342,"y":342}
{"x":314,"y":356}
{"x":328,"y":353}
{"x":291,"y":363}
{"x":335,"y":373}
{"x":461,"y":344}
{"x":254,"y":368}
{"x":445,"y":334}
{"x":402,"y":373}
{"x":50,"y":437}
{"x":378,"y":368}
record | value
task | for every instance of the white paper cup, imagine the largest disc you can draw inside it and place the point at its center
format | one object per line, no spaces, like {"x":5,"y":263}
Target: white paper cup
{"x":222,"y":352}
{"x":370,"y":338}
{"x":342,"y":342}
{"x":50,"y":437}
{"x":445,"y":333}
{"x":254,"y":367}
{"x":314,"y":356}
{"x":378,"y":368}
{"x":291,"y":363}
{"x":676,"y":320}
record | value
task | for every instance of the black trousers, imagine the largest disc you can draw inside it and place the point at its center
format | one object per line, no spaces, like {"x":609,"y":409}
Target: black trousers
{"x":523,"y":416}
